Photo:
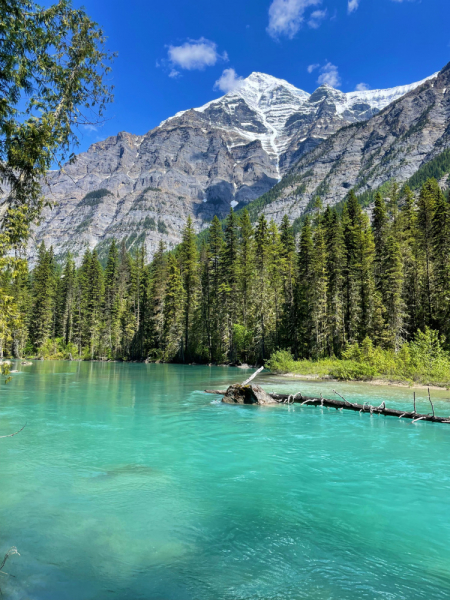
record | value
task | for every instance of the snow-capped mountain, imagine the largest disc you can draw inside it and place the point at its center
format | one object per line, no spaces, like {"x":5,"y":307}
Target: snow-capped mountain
{"x":283,"y":114}
{"x":199,"y":162}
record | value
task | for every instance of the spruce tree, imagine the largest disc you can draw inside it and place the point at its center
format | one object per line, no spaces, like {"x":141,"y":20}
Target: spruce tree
{"x":441,"y":261}
{"x":174,"y":305}
{"x":262,"y":292}
{"x":190,"y":277}
{"x":246,"y":267}
{"x":41,"y":322}
{"x":288,"y":274}
{"x":335,"y":284}
{"x":426,"y":206}
{"x":303,"y":292}
{"x":229,"y":281}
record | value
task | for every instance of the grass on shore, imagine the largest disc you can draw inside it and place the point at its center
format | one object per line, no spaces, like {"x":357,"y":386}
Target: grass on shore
{"x":421,"y":361}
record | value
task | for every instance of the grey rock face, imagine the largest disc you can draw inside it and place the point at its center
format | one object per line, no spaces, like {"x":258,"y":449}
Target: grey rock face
{"x":392,"y":145}
{"x":198,"y":163}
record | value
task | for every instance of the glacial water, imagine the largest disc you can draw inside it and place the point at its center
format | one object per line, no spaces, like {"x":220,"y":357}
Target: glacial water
{"x":129,"y":482}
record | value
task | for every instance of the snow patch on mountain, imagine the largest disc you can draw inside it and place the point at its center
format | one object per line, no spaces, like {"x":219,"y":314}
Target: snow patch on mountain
{"x":275,"y":100}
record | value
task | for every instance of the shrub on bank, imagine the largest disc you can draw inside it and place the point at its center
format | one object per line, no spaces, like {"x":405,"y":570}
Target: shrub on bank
{"x":423,"y":360}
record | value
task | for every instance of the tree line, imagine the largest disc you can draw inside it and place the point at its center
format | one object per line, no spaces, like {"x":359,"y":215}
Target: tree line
{"x":249,"y":289}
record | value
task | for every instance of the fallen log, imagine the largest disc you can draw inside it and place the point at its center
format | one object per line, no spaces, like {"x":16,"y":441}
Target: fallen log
{"x":248,"y":394}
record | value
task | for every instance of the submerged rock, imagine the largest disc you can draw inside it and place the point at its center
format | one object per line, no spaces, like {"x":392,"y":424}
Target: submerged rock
{"x":247,"y":394}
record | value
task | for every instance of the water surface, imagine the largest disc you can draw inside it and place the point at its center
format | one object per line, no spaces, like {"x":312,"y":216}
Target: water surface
{"x":129,"y":482}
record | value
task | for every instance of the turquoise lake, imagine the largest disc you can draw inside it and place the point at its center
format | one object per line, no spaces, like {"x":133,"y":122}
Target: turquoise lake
{"x":129,"y":482}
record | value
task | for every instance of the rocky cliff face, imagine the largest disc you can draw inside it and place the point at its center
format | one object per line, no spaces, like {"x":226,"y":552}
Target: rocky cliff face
{"x":392,"y":145}
{"x":199,"y":162}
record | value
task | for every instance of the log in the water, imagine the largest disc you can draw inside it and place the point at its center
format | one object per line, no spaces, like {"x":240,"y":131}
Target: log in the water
{"x":339,"y":405}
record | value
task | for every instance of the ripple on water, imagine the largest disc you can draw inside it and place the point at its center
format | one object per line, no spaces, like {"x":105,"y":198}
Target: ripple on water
{"x":138,"y":485}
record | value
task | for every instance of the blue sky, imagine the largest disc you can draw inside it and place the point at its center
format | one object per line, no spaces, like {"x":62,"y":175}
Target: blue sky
{"x":176,"y":55}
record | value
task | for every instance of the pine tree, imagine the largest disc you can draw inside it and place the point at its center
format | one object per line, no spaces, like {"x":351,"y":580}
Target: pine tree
{"x":288,"y":274}
{"x":67,"y":300}
{"x":111,"y":300}
{"x":41,"y":322}
{"x":393,"y":276}
{"x":95,"y":299}
{"x":441,"y":260}
{"x":174,"y":304}
{"x":409,"y":248}
{"x":380,"y":232}
{"x":263,"y":309}
{"x":212,"y":279}
{"x":425,"y":217}
{"x":303,"y":292}
{"x":154,"y":325}
{"x":246,"y":267}
{"x":190,"y":277}
{"x":335,"y":285}
{"x":318,"y":292}
{"x":229,"y":280}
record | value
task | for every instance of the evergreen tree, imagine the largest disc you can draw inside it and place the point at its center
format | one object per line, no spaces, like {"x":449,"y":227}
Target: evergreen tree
{"x":212,"y":278}
{"x":246,"y":266}
{"x":395,"y":309}
{"x":41,"y":322}
{"x":441,"y":261}
{"x":335,"y":285}
{"x":425,"y":218}
{"x":67,"y":300}
{"x":318,"y":291}
{"x":174,"y":304}
{"x":190,"y":278}
{"x":288,"y":273}
{"x":262,"y":292}
{"x":154,"y":324}
{"x":380,"y":233}
{"x":111,"y":313}
{"x":303,"y":291}
{"x":229,"y":280}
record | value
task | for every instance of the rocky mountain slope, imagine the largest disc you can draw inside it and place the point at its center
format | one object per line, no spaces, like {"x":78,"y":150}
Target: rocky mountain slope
{"x":199,"y":162}
{"x":392,"y":145}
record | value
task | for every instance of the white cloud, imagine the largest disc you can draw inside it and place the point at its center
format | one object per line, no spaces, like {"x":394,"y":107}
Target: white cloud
{"x":228,"y":81}
{"x":329,"y":75}
{"x":316,"y":18}
{"x":362,"y":87}
{"x":89,"y":127}
{"x":195,"y":54}
{"x":174,"y":73}
{"x":312,"y":68}
{"x":353,"y":5}
{"x":286,"y":16}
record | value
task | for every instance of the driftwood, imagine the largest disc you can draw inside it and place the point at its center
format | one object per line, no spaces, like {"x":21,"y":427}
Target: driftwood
{"x":250,"y":391}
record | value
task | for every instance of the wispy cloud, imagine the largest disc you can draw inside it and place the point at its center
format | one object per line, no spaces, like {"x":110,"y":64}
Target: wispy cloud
{"x":312,"y":68}
{"x":194,"y":55}
{"x":353,"y":5}
{"x":329,"y":75}
{"x":362,"y":87}
{"x":316,"y":18}
{"x":286,"y":16}
{"x":228,"y":81}
{"x":89,"y":127}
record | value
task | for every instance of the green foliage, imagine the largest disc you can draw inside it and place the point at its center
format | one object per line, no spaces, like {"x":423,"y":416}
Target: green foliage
{"x":95,"y":198}
{"x":162,"y":227}
{"x":436,"y":168}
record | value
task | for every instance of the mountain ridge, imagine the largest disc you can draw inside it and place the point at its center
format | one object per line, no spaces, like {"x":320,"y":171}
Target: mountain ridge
{"x":229,"y":152}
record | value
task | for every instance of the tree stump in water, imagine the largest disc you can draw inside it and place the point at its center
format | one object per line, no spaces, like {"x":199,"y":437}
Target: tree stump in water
{"x":247,"y":394}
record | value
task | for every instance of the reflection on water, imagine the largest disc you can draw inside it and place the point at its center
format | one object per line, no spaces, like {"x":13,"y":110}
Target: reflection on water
{"x":130,"y":482}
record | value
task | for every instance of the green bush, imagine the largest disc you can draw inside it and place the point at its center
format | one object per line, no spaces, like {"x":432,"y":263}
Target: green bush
{"x":423,"y":360}
{"x":350,"y":370}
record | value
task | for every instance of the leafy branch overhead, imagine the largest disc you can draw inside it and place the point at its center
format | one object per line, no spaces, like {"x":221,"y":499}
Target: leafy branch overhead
{"x":53,"y":63}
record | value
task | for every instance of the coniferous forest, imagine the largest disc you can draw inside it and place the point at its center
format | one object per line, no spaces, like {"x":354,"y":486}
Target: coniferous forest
{"x":245,"y":290}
